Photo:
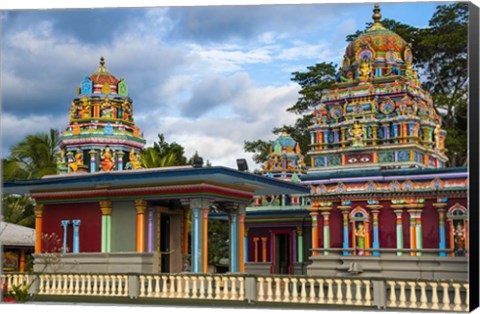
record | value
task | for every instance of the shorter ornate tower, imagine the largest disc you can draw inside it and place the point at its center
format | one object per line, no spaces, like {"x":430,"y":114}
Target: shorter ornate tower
{"x":285,"y":162}
{"x":377,"y":115}
{"x":101,"y":135}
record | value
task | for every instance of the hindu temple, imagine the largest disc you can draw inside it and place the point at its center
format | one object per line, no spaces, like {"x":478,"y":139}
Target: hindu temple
{"x":382,"y":201}
{"x":101,"y":134}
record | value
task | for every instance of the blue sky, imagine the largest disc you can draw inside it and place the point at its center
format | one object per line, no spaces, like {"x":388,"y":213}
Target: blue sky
{"x":207,"y":77}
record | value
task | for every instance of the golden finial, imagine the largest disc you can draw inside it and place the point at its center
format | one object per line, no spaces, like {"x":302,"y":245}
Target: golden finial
{"x":102,"y":61}
{"x":376,"y":14}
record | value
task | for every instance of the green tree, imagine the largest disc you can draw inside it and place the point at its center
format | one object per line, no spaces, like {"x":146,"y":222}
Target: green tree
{"x":151,"y":159}
{"x":313,"y":82}
{"x":217,"y":240}
{"x":33,"y":157}
{"x":164,"y":148}
{"x":18,"y":209}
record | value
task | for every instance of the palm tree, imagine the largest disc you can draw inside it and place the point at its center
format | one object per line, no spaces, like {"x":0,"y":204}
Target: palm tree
{"x":33,"y":157}
{"x":18,"y":209}
{"x":151,"y":159}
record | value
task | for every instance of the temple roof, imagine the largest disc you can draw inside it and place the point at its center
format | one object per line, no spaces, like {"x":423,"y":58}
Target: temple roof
{"x":16,"y":235}
{"x":102,"y":75}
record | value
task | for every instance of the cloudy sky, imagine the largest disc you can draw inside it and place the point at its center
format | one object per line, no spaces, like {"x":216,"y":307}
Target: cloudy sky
{"x":208,"y":77}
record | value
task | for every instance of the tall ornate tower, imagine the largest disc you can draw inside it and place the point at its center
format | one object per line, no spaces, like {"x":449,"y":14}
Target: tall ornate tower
{"x":101,"y":134}
{"x":377,"y":115}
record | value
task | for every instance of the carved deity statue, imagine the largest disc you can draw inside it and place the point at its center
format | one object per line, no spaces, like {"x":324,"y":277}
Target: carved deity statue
{"x":438,"y":139}
{"x":135,"y":160}
{"x":357,"y":135}
{"x":107,"y":163}
{"x":365,"y":69}
{"x":85,"y":108}
{"x":107,"y":110}
{"x":78,"y":161}
{"x":459,"y":234}
{"x":360,"y":236}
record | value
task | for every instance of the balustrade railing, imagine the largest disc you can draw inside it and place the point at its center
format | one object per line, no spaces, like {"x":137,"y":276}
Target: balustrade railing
{"x":434,"y":295}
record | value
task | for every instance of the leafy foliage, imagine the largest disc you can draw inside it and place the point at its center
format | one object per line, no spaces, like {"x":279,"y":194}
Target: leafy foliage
{"x":217,"y":240}
{"x":18,"y":209}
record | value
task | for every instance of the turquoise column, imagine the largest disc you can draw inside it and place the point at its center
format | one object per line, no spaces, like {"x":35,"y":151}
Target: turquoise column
{"x":195,"y":251}
{"x":376,"y":238}
{"x":65,"y":224}
{"x":441,"y":226}
{"x":245,"y":246}
{"x":93,"y":160}
{"x":76,"y":236}
{"x":233,"y":243}
{"x":411,"y":130}
{"x":398,"y":221}
{"x":120,"y":160}
{"x":346,"y":241}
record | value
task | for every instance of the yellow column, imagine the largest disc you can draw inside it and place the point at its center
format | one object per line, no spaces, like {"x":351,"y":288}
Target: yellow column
{"x":255,"y":252}
{"x":264,"y":249}
{"x":38,"y":228}
{"x":21,"y":266}
{"x":141,"y":205}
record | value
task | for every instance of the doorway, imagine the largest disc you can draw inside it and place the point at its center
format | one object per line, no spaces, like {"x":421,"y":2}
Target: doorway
{"x":282,"y":261}
{"x":164,"y":243}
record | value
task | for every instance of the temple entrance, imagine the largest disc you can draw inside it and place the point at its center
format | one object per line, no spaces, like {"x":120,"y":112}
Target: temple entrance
{"x":282,"y":262}
{"x":164,"y":243}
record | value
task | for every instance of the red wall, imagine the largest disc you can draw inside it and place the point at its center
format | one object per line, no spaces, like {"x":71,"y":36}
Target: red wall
{"x":387,"y":229}
{"x":90,"y":227}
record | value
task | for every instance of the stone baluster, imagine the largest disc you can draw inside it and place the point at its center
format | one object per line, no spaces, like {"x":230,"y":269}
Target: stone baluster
{"x":209,"y":288}
{"x":278,"y":294}
{"x":311,"y":294}
{"x":269,"y":289}
{"x":294,"y":290}
{"x":457,"y":300}
{"x":171,"y":292}
{"x":83,"y":279}
{"x":179,"y":287}
{"x":368,"y":296}
{"x":413,"y":294}
{"x":149,"y":286}
{"x":241,"y":289}
{"x":358,"y":292}
{"x":142,"y":286}
{"x":41,"y":288}
{"x":435,"y":304}
{"x":217,"y":288}
{"x":194,"y":287}
{"x":339,"y":291}
{"x":76,"y":289}
{"x":403,"y":297}
{"x":321,"y":293}
{"x":186,"y":290}
{"x":393,"y":298}
{"x":446,"y":298}
{"x":225,"y":288}
{"x":125,"y":280}
{"x":467,"y":296}
{"x":233,"y":288}
{"x":330,"y":291}
{"x":107,"y":284}
{"x":303,"y":292}
{"x":202,"y":287}
{"x":164,"y":286}
{"x":54,"y":284}
{"x":89,"y":284}
{"x":261,"y":293}
{"x":348,"y":296}
{"x":157,"y":286}
{"x":65,"y":284}
{"x":95,"y":287}
{"x":286,"y":291}
{"x":423,"y":295}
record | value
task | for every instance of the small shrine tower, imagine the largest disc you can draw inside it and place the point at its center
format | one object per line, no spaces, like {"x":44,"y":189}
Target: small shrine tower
{"x":376,"y":116}
{"x":101,"y":134}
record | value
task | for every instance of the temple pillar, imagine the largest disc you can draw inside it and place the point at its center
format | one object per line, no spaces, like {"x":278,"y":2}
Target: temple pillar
{"x":38,"y":228}
{"x":21,"y":264}
{"x":326,"y":231}
{"x":140,"y":205}
{"x":376,"y":237}
{"x":241,"y":242}
{"x":345,"y":210}
{"x":314,"y":215}
{"x":233,"y":218}
{"x":418,"y":229}
{"x":150,"y":235}
{"x":264,"y":249}
{"x":245,"y":246}
{"x":76,"y":236}
{"x":93,"y":160}
{"x":395,"y":132}
{"x":185,"y":233}
{"x":205,"y":239}
{"x":106,"y":208}
{"x":64,"y":224}
{"x":300,"y":244}
{"x":200,"y":210}
{"x":255,"y":249}
{"x":399,"y":229}
{"x":441,"y":226}
{"x":120,"y":155}
{"x":413,"y":230}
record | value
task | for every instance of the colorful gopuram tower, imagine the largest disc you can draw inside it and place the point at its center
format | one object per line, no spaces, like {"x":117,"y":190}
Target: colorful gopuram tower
{"x":377,"y":115}
{"x":101,"y":134}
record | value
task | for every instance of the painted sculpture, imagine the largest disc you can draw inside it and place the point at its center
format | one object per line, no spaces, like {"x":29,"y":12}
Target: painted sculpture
{"x":135,"y":160}
{"x":108,"y":162}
